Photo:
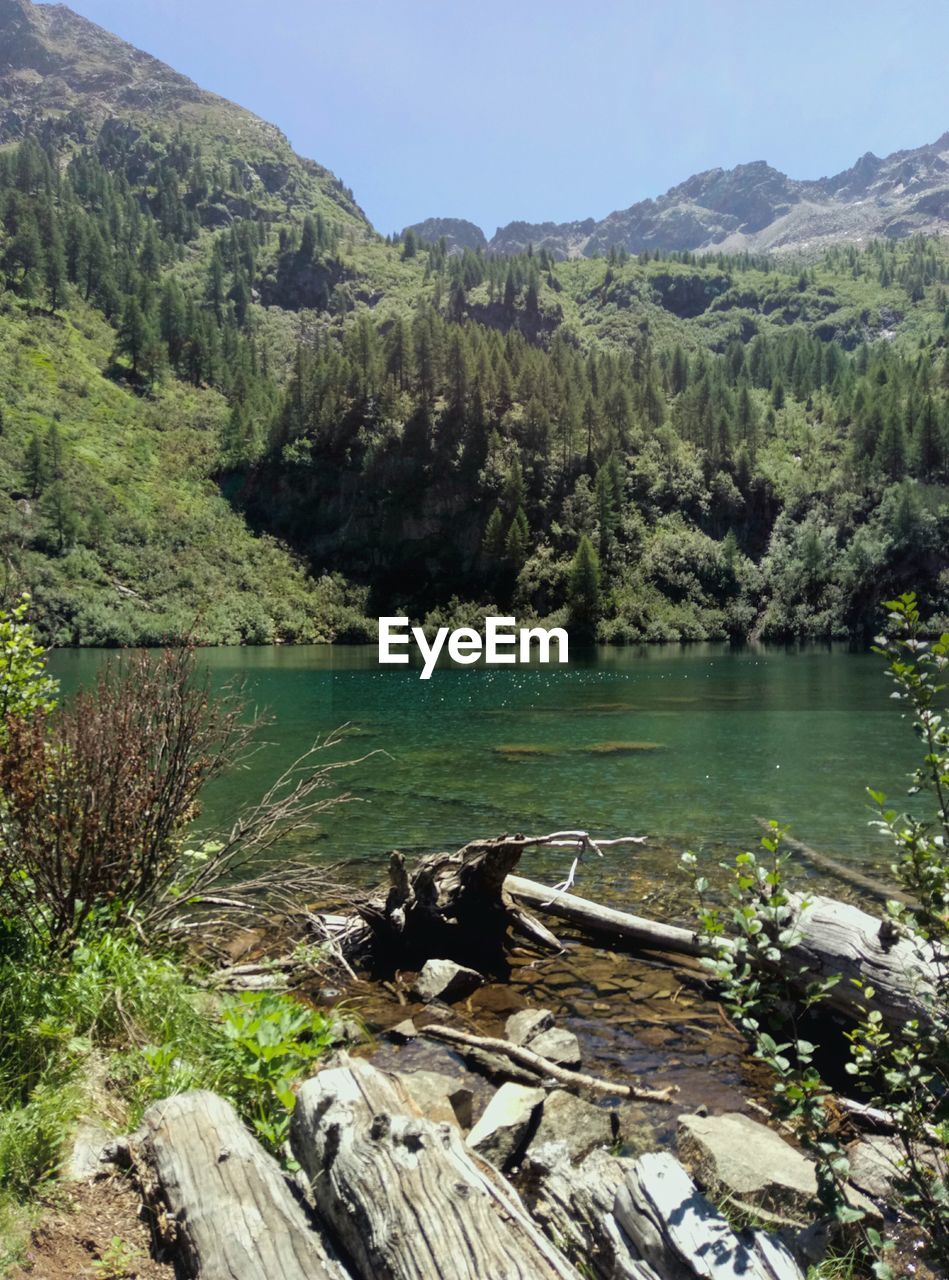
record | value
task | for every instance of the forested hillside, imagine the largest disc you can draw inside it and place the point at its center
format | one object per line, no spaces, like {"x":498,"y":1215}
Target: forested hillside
{"x":231,"y":409}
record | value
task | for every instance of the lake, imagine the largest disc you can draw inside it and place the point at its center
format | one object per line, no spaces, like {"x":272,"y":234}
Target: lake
{"x":684,"y":744}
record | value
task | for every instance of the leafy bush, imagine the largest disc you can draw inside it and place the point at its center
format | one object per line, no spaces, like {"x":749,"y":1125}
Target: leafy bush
{"x":96,"y":799}
{"x":25,"y":688}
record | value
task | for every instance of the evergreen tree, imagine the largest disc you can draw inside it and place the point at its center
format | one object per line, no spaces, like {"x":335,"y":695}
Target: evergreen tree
{"x":583,"y":590}
{"x":517,"y":543}
{"x":493,"y":543}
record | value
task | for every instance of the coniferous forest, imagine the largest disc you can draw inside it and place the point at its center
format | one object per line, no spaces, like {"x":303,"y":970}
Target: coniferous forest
{"x":232,"y":410}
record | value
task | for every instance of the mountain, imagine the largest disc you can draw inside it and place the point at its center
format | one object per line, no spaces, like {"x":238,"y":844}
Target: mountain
{"x":67,"y":78}
{"x":458,"y":233}
{"x":231,"y":411}
{"x":755,"y":208}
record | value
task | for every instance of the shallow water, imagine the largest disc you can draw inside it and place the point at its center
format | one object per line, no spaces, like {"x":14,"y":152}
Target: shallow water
{"x":685,"y":744}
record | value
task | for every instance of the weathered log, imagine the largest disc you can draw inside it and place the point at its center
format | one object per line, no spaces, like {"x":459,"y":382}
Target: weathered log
{"x":833,"y":938}
{"x":452,"y":906}
{"x":683,"y":1236}
{"x":838,"y":938}
{"x":404,"y":1195}
{"x":574,"y":1205}
{"x":231,"y":1213}
{"x":591,"y":917}
{"x":543,"y":1068}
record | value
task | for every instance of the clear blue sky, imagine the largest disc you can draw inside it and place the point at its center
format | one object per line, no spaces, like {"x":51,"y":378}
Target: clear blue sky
{"x":542,"y":109}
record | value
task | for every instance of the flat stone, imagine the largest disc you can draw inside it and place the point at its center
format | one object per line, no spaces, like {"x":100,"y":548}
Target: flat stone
{"x":736,"y":1156}
{"x":504,"y":1129}
{"x":557,"y":1045}
{"x":403,"y":1031}
{"x":445,"y":980}
{"x":439,"y":1097}
{"x":521,"y":1027}
{"x":578,"y":1124}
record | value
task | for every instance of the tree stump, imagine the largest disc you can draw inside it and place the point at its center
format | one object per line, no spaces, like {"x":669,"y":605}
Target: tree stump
{"x":452,"y":906}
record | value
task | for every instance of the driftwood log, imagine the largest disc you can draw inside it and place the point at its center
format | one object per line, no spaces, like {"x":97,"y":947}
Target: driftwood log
{"x":683,"y":1236}
{"x":574,"y":1205}
{"x":220,"y":1200}
{"x":451,"y":906}
{"x":841,"y":871}
{"x":643,"y":1219}
{"x":833,"y":938}
{"x":404,"y":1195}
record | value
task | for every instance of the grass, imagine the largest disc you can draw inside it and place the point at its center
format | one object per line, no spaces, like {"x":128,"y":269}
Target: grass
{"x":133,"y":1020}
{"x":168,"y":555}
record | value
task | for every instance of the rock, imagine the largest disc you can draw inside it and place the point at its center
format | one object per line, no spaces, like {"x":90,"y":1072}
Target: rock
{"x":521,"y":1027}
{"x":878,"y":1161}
{"x":85,"y":1159}
{"x":733,"y":1155}
{"x":557,"y":1045}
{"x":578,"y":1124}
{"x":445,"y":980}
{"x":403,"y":1031}
{"x":505,"y":1126}
{"x":439,"y":1097}
{"x":875,"y":1162}
{"x":348,"y":1030}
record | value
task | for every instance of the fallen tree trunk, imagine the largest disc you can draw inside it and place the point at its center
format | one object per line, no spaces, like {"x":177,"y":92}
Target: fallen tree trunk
{"x":225,"y":1205}
{"x":591,"y":917}
{"x":405,"y":1196}
{"x":833,"y":938}
{"x":643,"y":1219}
{"x":543,"y":1068}
{"x":683,"y":1236}
{"x":574,"y":1205}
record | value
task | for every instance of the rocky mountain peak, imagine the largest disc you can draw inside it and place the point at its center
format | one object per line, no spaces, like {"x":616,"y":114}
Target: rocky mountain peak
{"x":756,"y":207}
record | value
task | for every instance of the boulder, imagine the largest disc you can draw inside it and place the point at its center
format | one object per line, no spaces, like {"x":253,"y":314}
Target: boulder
{"x":557,"y":1045}
{"x":521,"y":1027}
{"x":733,"y":1155}
{"x":506,"y":1124}
{"x":445,"y":980}
{"x":439,"y":1097}
{"x":579,"y":1125}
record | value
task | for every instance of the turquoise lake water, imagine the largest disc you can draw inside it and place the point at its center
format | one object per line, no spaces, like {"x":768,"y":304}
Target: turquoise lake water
{"x":684,"y":744}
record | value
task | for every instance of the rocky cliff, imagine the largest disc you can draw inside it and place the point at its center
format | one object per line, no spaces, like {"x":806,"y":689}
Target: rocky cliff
{"x":757,"y":208}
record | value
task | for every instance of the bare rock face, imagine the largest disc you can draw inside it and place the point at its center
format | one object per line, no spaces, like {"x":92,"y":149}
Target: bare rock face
{"x":756,"y":208}
{"x":504,"y":1128}
{"x":445,"y":980}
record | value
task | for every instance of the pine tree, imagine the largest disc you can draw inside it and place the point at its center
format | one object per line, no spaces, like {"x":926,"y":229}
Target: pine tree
{"x":583,"y":589}
{"x":36,"y":470}
{"x":517,"y":543}
{"x":494,"y":535}
{"x":55,"y":270}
